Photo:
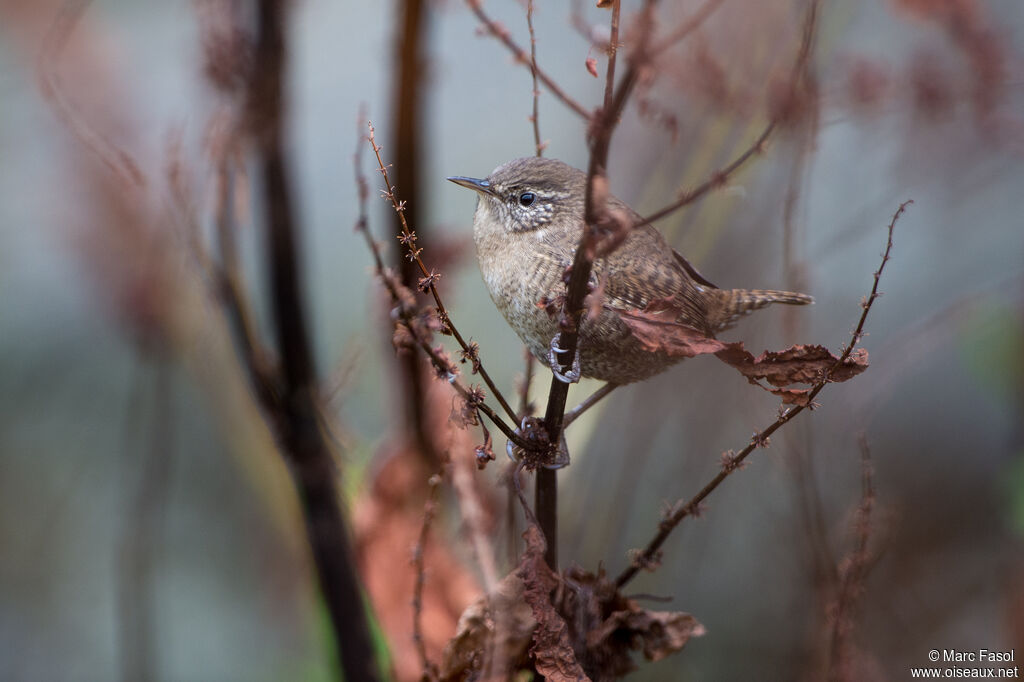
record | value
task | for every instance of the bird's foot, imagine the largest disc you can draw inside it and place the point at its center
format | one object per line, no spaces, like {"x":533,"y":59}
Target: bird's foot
{"x":533,"y":431}
{"x":573,"y":375}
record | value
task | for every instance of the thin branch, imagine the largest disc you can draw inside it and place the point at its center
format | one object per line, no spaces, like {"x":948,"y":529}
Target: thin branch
{"x":852,"y":573}
{"x":407,"y":313}
{"x":585,"y":30}
{"x":408,"y":94}
{"x":430,"y":671}
{"x":649,"y":556}
{"x":115,"y":159}
{"x":535,"y":118}
{"x":719,"y":178}
{"x":690,"y":25}
{"x":228,"y":281}
{"x":428,"y":282}
{"x":466,"y":485}
{"x":501,"y":33}
{"x":525,"y":406}
{"x":591,"y":400}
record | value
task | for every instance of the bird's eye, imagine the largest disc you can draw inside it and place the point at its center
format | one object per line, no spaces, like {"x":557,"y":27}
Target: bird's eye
{"x":527,"y":198}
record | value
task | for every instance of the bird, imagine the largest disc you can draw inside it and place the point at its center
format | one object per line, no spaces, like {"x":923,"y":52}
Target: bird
{"x":528,"y":223}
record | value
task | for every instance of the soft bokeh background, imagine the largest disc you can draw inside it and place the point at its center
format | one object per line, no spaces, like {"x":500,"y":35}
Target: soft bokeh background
{"x":87,"y":396}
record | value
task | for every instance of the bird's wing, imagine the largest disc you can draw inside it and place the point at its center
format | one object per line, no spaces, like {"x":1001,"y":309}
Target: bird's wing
{"x":645,"y":269}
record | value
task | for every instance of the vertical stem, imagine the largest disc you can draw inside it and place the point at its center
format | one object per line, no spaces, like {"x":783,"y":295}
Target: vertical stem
{"x":301,"y":439}
{"x":545,"y":504}
{"x":406,"y":103}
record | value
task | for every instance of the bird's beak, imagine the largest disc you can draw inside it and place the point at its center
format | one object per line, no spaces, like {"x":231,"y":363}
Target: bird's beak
{"x":475,"y":184}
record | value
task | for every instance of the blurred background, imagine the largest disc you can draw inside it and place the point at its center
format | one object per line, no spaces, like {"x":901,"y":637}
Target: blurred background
{"x":144,"y":512}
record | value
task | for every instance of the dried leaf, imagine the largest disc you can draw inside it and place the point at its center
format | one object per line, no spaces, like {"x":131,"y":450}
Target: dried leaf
{"x":463,"y":415}
{"x":492,"y":635}
{"x":552,"y":649}
{"x":656,"y":329}
{"x":660,"y":633}
{"x":592,"y":66}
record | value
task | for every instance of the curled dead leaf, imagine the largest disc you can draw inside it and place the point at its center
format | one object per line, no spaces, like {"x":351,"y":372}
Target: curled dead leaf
{"x":658,"y":633}
{"x":656,"y":329}
{"x":492,"y":636}
{"x":552,"y":650}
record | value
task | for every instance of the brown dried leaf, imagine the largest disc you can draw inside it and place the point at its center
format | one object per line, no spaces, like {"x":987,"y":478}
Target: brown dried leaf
{"x":657,"y":331}
{"x":492,"y":635}
{"x":552,"y":648}
{"x":463,"y":415}
{"x":795,"y":365}
{"x":660,"y":633}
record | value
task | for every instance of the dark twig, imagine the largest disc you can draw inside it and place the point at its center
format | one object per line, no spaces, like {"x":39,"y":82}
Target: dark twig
{"x":525,"y":406}
{"x":852,"y":573}
{"x":430,"y":277}
{"x":230,"y":288}
{"x":535,"y":118}
{"x":591,"y":400}
{"x":600,"y":133}
{"x":717,"y":179}
{"x":408,"y":89}
{"x":302,"y":442}
{"x":430,"y":671}
{"x":501,"y":33}
{"x":733,"y":461}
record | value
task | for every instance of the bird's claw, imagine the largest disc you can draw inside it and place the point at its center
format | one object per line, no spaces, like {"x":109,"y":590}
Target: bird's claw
{"x":573,"y":375}
{"x":532,"y":429}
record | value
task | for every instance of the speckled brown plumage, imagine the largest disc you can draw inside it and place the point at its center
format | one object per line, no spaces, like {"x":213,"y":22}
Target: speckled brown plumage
{"x":525,"y":243}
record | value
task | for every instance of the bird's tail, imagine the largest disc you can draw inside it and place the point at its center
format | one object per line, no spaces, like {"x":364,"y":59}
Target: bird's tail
{"x":735,"y":303}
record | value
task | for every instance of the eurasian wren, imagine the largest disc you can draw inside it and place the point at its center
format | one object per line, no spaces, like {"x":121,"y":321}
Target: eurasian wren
{"x":527,"y":225}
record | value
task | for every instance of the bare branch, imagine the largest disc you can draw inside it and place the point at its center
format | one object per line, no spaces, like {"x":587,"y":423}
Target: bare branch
{"x":535,"y":118}
{"x":720,"y":177}
{"x":501,"y":33}
{"x":430,"y":671}
{"x":852,"y":573}
{"x":681,"y":510}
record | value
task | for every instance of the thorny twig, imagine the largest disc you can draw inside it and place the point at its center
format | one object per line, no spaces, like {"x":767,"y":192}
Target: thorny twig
{"x":428,"y":283}
{"x":535,"y":118}
{"x":852,"y":572}
{"x":501,"y":33}
{"x":430,"y":671}
{"x":731,"y":462}
{"x":406,"y":313}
